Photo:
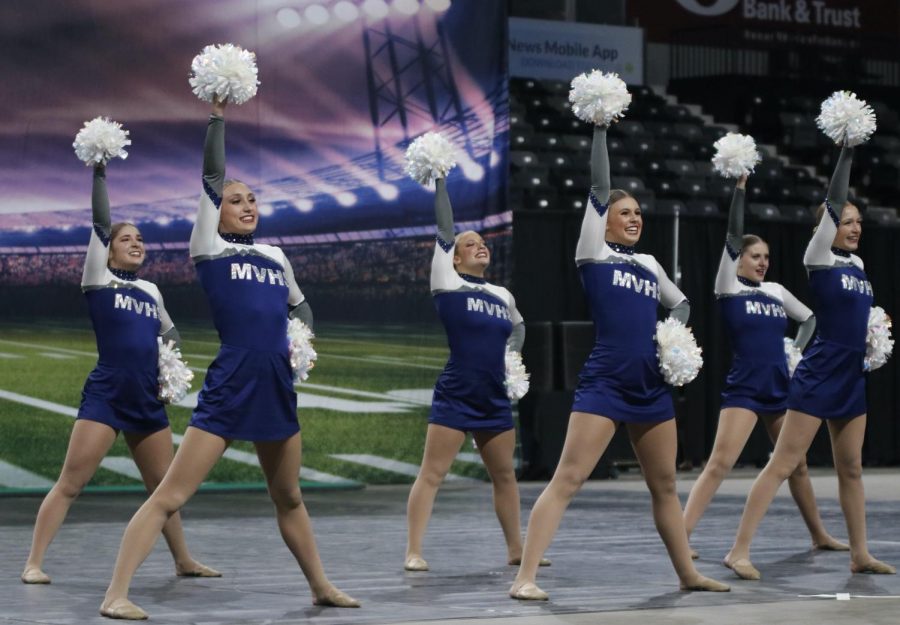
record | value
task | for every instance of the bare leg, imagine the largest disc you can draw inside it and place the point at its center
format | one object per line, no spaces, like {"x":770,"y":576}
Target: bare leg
{"x":802,"y":491}
{"x":656,"y":445}
{"x":796,"y":435}
{"x":280,"y":461}
{"x":847,"y":436}
{"x":198,"y":452}
{"x":88,"y":444}
{"x":497,"y":450}
{"x":153,"y":454}
{"x":441,"y":446}
{"x":735,"y":426}
{"x":587,"y":437}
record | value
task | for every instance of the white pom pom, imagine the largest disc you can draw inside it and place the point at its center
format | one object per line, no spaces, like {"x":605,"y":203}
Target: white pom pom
{"x":793,"y":355}
{"x":846,"y":119}
{"x":225,"y":71}
{"x":735,"y":156}
{"x":303,"y":356}
{"x":599,"y":98}
{"x":101,"y":140}
{"x":174,"y":376}
{"x":879,"y":343}
{"x":430,"y":157}
{"x":680,"y":359}
{"x":516,"y":376}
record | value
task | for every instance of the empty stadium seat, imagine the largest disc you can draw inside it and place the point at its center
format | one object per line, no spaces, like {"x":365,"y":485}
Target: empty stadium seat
{"x":764,"y":211}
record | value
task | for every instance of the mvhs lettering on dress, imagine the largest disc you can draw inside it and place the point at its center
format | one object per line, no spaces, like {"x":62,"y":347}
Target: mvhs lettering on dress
{"x":126,"y":302}
{"x":246,"y":271}
{"x":851,"y":283}
{"x":628,"y":280}
{"x":768,"y":310}
{"x":489,"y":308}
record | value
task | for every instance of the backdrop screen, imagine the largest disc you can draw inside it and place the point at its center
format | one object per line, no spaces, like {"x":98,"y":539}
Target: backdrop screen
{"x":345,"y":86}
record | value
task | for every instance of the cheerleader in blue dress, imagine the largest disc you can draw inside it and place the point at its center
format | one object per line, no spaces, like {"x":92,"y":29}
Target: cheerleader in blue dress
{"x":120,"y":394}
{"x":248,"y":393}
{"x":756,"y":315}
{"x":829,"y":383}
{"x":481,"y":321}
{"x":620,"y":382}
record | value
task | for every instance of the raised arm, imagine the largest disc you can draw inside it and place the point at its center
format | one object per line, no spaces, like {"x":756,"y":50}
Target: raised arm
{"x":205,"y":232}
{"x":443,"y":275}
{"x":726,"y":278}
{"x":818,"y":252}
{"x":443,"y":211}
{"x":592,"y":239}
{"x":98,"y":249}
{"x":798,"y":311}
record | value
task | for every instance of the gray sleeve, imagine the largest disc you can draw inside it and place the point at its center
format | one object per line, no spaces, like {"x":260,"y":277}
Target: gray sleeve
{"x":839,"y":188}
{"x":805,"y":333}
{"x":681,"y":311}
{"x":600,"y":182}
{"x":516,"y":338}
{"x":100,"y":205}
{"x":735,"y":237}
{"x":443,"y":211}
{"x":214,"y":155}
{"x":172,"y":335}
{"x":303,"y":312}
{"x":94,"y":272}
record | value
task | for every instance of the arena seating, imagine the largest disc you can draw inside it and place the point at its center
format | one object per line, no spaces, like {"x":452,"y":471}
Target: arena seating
{"x":661,"y":153}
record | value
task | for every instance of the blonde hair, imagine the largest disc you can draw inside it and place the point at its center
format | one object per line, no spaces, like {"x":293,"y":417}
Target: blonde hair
{"x":618,"y":194}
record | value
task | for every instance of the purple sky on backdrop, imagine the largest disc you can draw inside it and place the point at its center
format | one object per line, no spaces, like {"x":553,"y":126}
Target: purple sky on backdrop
{"x":75,"y":59}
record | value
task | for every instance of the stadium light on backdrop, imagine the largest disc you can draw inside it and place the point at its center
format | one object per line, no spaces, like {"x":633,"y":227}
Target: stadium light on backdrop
{"x":316,"y":14}
{"x":407,"y":7}
{"x":375,"y":9}
{"x":346,"y":11}
{"x":288,"y":17}
{"x":387,"y":192}
{"x":438,"y":5}
{"x":345,"y":198}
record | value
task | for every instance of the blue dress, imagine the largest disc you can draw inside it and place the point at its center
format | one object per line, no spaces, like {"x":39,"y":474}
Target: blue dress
{"x":248,"y":393}
{"x":829,"y":382}
{"x":621,"y":379}
{"x":755,"y":315}
{"x":128,"y":316}
{"x":478,"y":317}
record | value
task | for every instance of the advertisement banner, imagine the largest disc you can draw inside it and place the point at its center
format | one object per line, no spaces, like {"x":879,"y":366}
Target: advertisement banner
{"x":790,"y":22}
{"x":546,"y":49}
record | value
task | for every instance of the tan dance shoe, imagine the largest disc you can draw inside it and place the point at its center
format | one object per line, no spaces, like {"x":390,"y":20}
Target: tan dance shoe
{"x":123,"y":609}
{"x":528,"y":592}
{"x":874,"y":567}
{"x":743,"y":568}
{"x":34,"y":575}
{"x":336,"y":599}
{"x":415,"y":563}
{"x":201,"y":570}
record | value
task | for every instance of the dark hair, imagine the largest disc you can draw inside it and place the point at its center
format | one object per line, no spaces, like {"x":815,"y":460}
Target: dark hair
{"x":750,"y":239}
{"x":117,"y":227}
{"x":618,"y":194}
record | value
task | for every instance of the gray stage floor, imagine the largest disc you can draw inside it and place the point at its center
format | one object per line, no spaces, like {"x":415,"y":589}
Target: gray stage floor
{"x":609,"y":565}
